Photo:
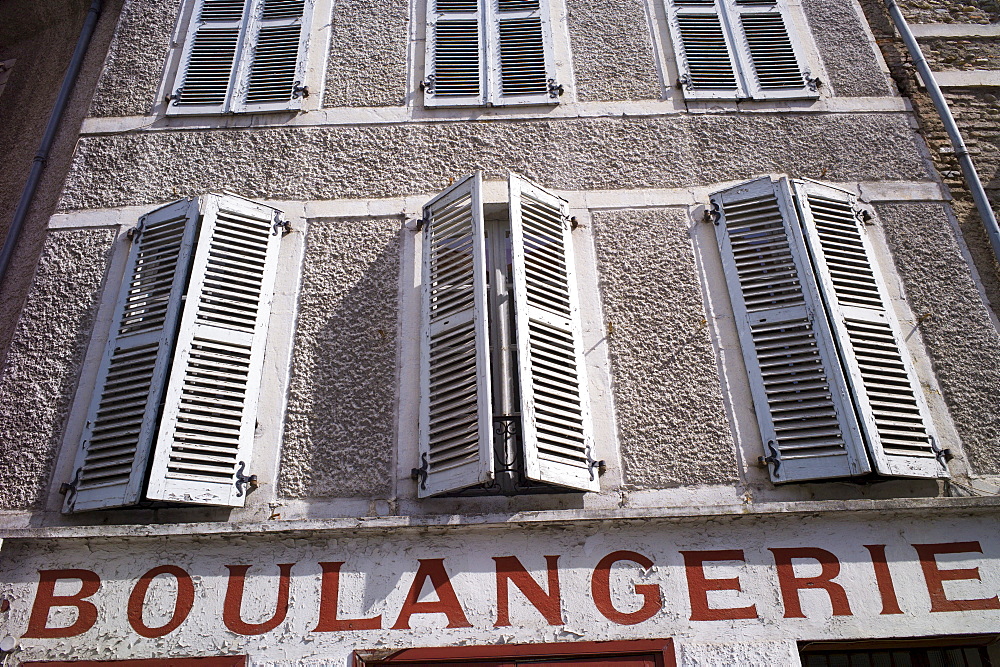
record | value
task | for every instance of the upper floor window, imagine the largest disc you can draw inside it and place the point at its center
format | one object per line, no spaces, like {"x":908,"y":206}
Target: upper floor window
{"x":489,"y":53}
{"x":833,"y":386}
{"x":738,"y":49}
{"x":243,"y":56}
{"x":172,"y":416}
{"x":503,"y":392}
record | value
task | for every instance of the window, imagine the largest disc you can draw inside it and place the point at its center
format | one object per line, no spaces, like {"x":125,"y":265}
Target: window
{"x":737,"y":49}
{"x":629,"y":653}
{"x":173,"y":414}
{"x":489,"y":53}
{"x":833,"y":387}
{"x":503,"y":403}
{"x":954,"y":651}
{"x":243,"y":56}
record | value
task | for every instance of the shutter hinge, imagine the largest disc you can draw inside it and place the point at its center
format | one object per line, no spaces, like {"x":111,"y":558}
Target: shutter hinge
{"x":419,"y":475}
{"x":712,"y":213}
{"x":174,"y":96}
{"x":427,"y":85}
{"x":555,"y":89}
{"x":134,"y":233}
{"x":684,"y":81}
{"x":573,"y":222}
{"x":813,"y":82}
{"x":281,"y":225}
{"x":864,"y":216}
{"x":942,"y":455}
{"x":600,"y":466}
{"x":774,"y":458}
{"x":68,"y":489}
{"x":420,"y":224}
{"x":298,"y":90}
{"x":243,"y":480}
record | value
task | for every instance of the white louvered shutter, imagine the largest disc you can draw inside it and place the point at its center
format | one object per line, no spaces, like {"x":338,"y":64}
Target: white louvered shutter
{"x":121,"y":422}
{"x":206,"y":431}
{"x":456,"y":417}
{"x":555,"y":410}
{"x":521,"y":65}
{"x":705,"y":58}
{"x":886,"y":392}
{"x":800,"y":395}
{"x":273,"y":66}
{"x":206,"y":76}
{"x":767,"y":50}
{"x":456,"y":53}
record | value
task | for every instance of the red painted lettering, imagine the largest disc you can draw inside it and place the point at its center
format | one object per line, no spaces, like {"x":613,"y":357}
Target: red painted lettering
{"x":600,"y":590}
{"x":509,"y":569}
{"x":883,"y":577}
{"x":329,"y":601}
{"x":232,"y":612}
{"x":182,"y":604}
{"x":790,"y":584}
{"x":936,"y":577}
{"x":699,"y":585}
{"x":447,"y":602}
{"x":45,"y":599}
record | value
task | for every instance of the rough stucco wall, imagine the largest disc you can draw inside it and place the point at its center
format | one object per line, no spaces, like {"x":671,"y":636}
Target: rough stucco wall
{"x":340,"y":424}
{"x":844,"y":45}
{"x":135,"y":61}
{"x":664,"y":371}
{"x":367,"y":62}
{"x":612,"y":51}
{"x":43,"y":364}
{"x":603,"y":153}
{"x":961,"y":340}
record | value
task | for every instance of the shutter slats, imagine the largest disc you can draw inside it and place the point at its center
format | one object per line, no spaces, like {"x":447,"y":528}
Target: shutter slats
{"x":705,"y":51}
{"x":274,"y":67}
{"x":222,"y":10}
{"x":771,"y":51}
{"x":522,"y":57}
{"x":283,"y":9}
{"x":457,"y":68}
{"x":209,"y":69}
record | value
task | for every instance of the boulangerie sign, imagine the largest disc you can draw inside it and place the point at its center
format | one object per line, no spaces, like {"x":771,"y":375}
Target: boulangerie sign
{"x":773,"y":578}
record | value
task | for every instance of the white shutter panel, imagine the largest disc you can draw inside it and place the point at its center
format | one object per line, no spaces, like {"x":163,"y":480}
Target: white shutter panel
{"x":121,"y":422}
{"x":555,"y":410}
{"x":456,"y":417}
{"x":886,"y":391}
{"x":767,"y":51}
{"x":206,"y":431}
{"x":800,"y":395}
{"x":704,"y":52}
{"x":205,"y":77}
{"x":273,"y":66}
{"x":521,"y":65}
{"x":455,"y":55}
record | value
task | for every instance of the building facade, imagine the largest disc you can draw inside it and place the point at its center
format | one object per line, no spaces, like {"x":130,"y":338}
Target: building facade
{"x":630,"y":332}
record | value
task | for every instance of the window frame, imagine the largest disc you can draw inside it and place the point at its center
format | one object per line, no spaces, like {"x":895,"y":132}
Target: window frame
{"x":662,"y":651}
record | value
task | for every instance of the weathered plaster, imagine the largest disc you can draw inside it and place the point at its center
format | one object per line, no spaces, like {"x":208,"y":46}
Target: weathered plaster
{"x":135,"y":62}
{"x":367,"y":61}
{"x":43,"y":363}
{"x":597,"y":153}
{"x":846,"y":49}
{"x":673,"y":427}
{"x":612,"y":50}
{"x":340,"y":426}
{"x":961,"y":340}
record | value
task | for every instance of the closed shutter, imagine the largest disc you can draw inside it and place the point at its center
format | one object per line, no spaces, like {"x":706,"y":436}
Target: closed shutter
{"x":456,"y":418}
{"x":768,"y":50}
{"x":705,"y":58}
{"x":274,"y":67}
{"x":521,"y":64}
{"x":800,"y":395}
{"x":122,"y":419}
{"x":886,"y":392}
{"x":206,"y":432}
{"x":456,"y":53}
{"x":206,"y":75}
{"x":555,"y":410}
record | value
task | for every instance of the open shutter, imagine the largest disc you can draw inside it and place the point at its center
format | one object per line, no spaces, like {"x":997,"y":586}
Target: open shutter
{"x":456,"y":417}
{"x":886,"y":392}
{"x":704,"y":52}
{"x":205,"y":77}
{"x":555,"y":410}
{"x":767,"y":50}
{"x":206,"y":432}
{"x":521,"y":65}
{"x":272,"y":70}
{"x":455,"y":55}
{"x":800,"y":395}
{"x":122,"y":419}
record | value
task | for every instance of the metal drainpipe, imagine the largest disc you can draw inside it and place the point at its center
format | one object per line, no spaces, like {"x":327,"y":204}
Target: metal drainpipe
{"x":961,"y":152}
{"x":42,"y":155}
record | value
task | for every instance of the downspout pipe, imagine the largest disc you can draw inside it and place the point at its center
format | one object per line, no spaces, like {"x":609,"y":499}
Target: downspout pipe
{"x":961,"y":151}
{"x":42,"y":155}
